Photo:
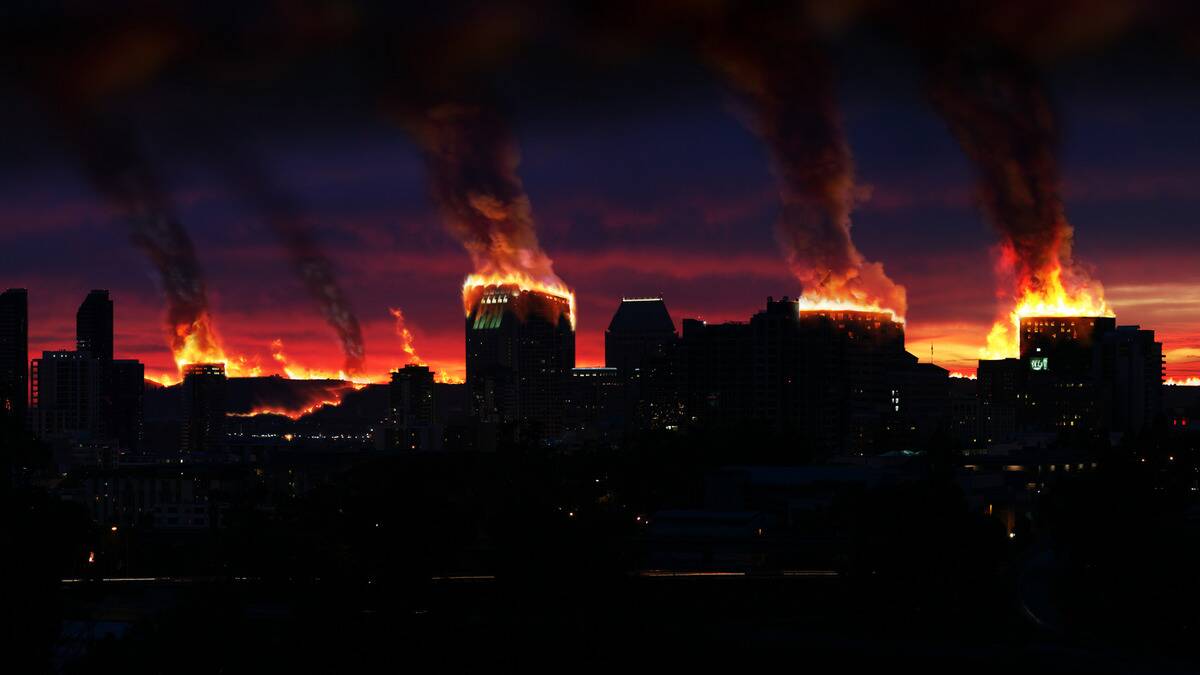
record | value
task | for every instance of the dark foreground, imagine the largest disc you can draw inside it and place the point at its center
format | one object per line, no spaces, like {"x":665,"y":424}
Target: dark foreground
{"x":812,"y":620}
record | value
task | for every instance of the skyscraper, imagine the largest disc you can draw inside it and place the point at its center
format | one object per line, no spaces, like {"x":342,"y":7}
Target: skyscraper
{"x":413,"y":410}
{"x":14,"y":353}
{"x":641,"y":331}
{"x":94,"y":326}
{"x":1133,"y":369}
{"x":67,"y":395}
{"x":520,"y":351}
{"x":642,"y":348}
{"x":204,"y":406}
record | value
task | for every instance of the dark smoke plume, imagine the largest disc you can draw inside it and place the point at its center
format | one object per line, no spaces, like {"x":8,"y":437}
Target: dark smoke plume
{"x":472,"y":161}
{"x":313,"y":267}
{"x":115,"y":161}
{"x":1005,"y":124}
{"x":783,"y":75}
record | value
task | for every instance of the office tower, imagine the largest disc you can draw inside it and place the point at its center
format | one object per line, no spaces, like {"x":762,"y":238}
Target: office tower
{"x":67,"y":395}
{"x":596,"y":402}
{"x":520,"y":351}
{"x":14,"y":353}
{"x":718,"y":373}
{"x":1003,"y":400}
{"x":1062,"y":356}
{"x":414,"y":418}
{"x":849,"y":360}
{"x":126,"y":388}
{"x":204,"y":407}
{"x":94,"y":326}
{"x":1063,"y":346}
{"x":1133,"y":370}
{"x":641,"y":347}
{"x":641,"y":332}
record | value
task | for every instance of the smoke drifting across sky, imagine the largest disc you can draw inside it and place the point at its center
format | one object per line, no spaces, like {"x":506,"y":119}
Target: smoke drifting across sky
{"x":780,"y":70}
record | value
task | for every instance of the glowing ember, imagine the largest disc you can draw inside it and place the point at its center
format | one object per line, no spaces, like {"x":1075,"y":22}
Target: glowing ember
{"x":1184,"y":382}
{"x":524,"y":282}
{"x":1052,"y":298}
{"x":285,"y":412}
{"x":851,"y":305}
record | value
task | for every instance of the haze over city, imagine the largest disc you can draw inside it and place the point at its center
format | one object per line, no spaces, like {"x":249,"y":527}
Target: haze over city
{"x":852,"y":334}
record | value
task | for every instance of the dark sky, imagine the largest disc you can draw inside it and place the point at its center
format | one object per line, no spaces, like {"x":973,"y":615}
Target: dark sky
{"x":643,"y":181}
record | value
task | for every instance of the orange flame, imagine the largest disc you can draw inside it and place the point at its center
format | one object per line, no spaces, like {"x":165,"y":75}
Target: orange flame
{"x":821,"y":303}
{"x":405,"y":335}
{"x":1183,"y":382}
{"x":197,"y":342}
{"x":296,"y":372}
{"x":963,"y":376}
{"x":285,"y":412}
{"x":1051,"y":298}
{"x":522,"y":281}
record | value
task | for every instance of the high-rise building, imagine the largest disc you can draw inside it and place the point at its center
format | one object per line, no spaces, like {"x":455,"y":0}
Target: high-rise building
{"x":520,"y":351}
{"x":1133,"y":369}
{"x":14,"y":353}
{"x":850,"y":357}
{"x":823,"y":377}
{"x":204,"y":406}
{"x":641,"y":347}
{"x":596,"y":402}
{"x":1062,"y":356}
{"x":94,"y":326}
{"x":1004,"y":403}
{"x":126,"y":389}
{"x":414,"y":418}
{"x":1063,"y":346}
{"x":67,"y":395}
{"x":718,"y":373}
{"x":641,"y":332}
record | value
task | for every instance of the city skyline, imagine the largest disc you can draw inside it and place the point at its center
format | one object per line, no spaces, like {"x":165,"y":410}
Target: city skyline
{"x":673,"y":198}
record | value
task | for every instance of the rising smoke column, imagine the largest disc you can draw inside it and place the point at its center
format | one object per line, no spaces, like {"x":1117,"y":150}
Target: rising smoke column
{"x":472,"y":159}
{"x":115,"y":162}
{"x":788,"y":85}
{"x":1001,"y":116}
{"x":312,"y":266}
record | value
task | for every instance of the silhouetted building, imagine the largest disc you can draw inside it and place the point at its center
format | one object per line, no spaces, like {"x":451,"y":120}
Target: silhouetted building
{"x":126,"y":392}
{"x":67,"y":395}
{"x":204,"y":408}
{"x":414,"y":422}
{"x":820,"y":376}
{"x":858,"y":351}
{"x":641,"y":346}
{"x":919,"y":403}
{"x":14,"y":353}
{"x":1002,"y":399}
{"x":94,"y":326}
{"x":1064,"y":373}
{"x":1133,"y":368}
{"x":520,"y":351}
{"x":718,"y":373}
{"x":641,"y":331}
{"x":596,"y":404}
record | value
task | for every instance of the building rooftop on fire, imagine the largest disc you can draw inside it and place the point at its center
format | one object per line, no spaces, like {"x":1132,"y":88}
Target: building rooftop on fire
{"x":834,"y":381}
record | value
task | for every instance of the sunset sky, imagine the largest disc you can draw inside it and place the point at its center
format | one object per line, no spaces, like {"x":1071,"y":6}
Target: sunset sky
{"x":643,"y":182}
